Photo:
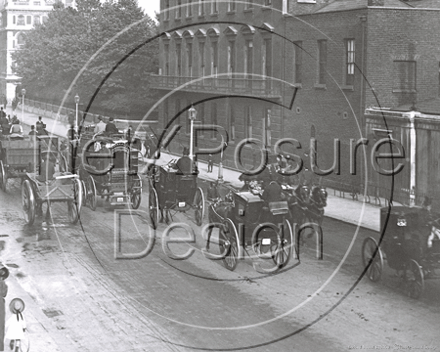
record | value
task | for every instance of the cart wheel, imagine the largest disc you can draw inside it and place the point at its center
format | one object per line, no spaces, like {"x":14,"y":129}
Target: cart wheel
{"x":375,"y":265}
{"x":91,"y":193}
{"x":415,"y":282}
{"x":136,"y":194}
{"x":153,"y":206}
{"x":228,"y":244}
{"x":72,"y":211}
{"x":4,"y":176}
{"x":199,"y":204}
{"x":84,"y":189}
{"x":74,"y":207}
{"x":283,"y":252}
{"x":28,"y":201}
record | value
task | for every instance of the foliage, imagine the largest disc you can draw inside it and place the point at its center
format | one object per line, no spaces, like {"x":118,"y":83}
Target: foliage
{"x":84,"y":46}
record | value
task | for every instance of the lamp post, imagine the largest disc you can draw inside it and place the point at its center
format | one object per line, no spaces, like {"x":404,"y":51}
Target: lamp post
{"x":192,"y":116}
{"x":220,"y":164}
{"x":23,"y":93}
{"x":76,"y":114}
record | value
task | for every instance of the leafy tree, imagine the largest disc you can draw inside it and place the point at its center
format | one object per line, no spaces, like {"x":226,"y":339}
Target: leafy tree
{"x":86,"y":45}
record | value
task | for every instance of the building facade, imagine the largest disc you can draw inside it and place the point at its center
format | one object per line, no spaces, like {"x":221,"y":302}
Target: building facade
{"x":294,"y":69}
{"x":17,"y":17}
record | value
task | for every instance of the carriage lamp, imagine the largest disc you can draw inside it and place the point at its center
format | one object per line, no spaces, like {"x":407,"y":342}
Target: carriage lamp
{"x":23,"y":93}
{"x":192,"y":116}
{"x":76,"y":113}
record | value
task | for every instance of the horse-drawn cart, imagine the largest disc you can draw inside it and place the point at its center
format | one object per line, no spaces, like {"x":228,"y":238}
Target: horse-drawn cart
{"x":174,"y":192}
{"x":409,"y":245}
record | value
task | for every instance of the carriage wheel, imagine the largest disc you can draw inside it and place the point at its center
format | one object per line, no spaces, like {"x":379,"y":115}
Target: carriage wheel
{"x":375,"y":265}
{"x":4,"y":176}
{"x":84,"y":189}
{"x":136,"y":194}
{"x":28,"y":201}
{"x":91,"y":193}
{"x":415,"y":282}
{"x":283,"y":252}
{"x":199,"y":204}
{"x":228,"y":244}
{"x":74,"y":207}
{"x":153,"y":206}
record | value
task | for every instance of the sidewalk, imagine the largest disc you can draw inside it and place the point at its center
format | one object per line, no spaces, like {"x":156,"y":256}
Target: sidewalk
{"x":351,"y":211}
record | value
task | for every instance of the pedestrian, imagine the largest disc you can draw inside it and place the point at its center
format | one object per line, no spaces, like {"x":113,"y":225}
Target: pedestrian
{"x":100,"y":126}
{"x":2,"y":113}
{"x":210,"y":163}
{"x":32,"y":131}
{"x":4,"y":273}
{"x":40,"y":124}
{"x":16,"y":324}
{"x":213,"y":194}
{"x":3,"y":101}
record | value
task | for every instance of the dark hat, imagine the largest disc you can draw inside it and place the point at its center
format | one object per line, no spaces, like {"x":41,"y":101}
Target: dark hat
{"x":185,"y":151}
{"x":100,"y":117}
{"x":111,"y":119}
{"x":4,"y":272}
{"x":17,"y":305}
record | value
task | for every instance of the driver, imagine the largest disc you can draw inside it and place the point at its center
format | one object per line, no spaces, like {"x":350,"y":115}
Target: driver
{"x":100,"y":126}
{"x":273,"y":192}
{"x":184,"y":165}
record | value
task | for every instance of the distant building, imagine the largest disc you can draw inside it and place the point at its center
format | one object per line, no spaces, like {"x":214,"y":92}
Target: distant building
{"x":17,"y":17}
{"x":241,"y":65}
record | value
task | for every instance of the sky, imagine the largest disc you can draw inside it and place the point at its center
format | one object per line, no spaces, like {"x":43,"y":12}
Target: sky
{"x":150,"y":6}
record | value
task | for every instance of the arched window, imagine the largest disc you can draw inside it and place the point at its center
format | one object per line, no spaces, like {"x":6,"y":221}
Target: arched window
{"x":20,"y":20}
{"x":20,"y":39}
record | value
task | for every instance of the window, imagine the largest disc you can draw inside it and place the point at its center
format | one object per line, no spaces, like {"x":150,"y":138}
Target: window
{"x":404,"y":76}
{"x":285,"y":7}
{"x":231,"y":57}
{"x":214,"y":58}
{"x":202,"y":58}
{"x":249,"y":4}
{"x":231,"y":5}
{"x":214,"y":6}
{"x":13,"y":19}
{"x":267,"y":58}
{"x":249,"y":57}
{"x":349,"y":62}
{"x":28,"y":19}
{"x":298,"y":62}
{"x":231,"y":123}
{"x":167,"y":59}
{"x":45,"y":19}
{"x":248,"y":122}
{"x":201,"y":7}
{"x":214,"y":119}
{"x":189,"y":9}
{"x":166,"y":14}
{"x":201,"y":116}
{"x":179,"y":59}
{"x":189,"y":58}
{"x":20,"y":20}
{"x":322,"y":61}
{"x":179,"y":9}
{"x":267,"y":136}
{"x":37,"y":20}
{"x":267,"y":2}
{"x":20,"y":39}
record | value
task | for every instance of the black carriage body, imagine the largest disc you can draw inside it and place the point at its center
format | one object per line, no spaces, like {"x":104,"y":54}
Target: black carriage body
{"x":175,"y":191}
{"x":114,"y":168}
{"x":250,"y":212}
{"x":404,"y":235}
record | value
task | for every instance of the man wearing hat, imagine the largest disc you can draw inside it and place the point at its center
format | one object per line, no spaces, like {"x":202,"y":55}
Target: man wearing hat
{"x":110,"y":128}
{"x":100,"y":126}
{"x":184,"y":164}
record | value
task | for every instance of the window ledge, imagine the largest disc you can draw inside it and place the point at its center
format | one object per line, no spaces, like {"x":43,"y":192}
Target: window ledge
{"x":320,"y":86}
{"x":404,"y":91}
{"x":189,"y":17}
{"x":248,"y":10}
{"x":347,"y":87}
{"x":214,"y":14}
{"x":232,"y":12}
{"x":201,"y":16}
{"x":266,"y":7}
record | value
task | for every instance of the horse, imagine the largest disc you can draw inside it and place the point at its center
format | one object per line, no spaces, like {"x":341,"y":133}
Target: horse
{"x":317,"y":203}
{"x":298,"y":203}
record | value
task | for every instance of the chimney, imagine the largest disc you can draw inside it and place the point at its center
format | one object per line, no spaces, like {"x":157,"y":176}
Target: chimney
{"x":376,"y":2}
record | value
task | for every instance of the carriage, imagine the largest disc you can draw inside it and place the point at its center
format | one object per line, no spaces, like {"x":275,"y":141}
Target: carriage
{"x":405,"y":246}
{"x":247,"y":221}
{"x":173,"y":192}
{"x":62,"y":187}
{"x":108,"y":168}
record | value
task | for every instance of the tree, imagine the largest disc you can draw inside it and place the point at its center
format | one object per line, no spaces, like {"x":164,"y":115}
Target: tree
{"x":92,"y":46}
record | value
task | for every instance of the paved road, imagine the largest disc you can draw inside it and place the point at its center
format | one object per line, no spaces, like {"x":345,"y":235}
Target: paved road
{"x":91,"y":301}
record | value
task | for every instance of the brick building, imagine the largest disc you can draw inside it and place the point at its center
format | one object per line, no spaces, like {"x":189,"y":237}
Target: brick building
{"x":242,"y":63}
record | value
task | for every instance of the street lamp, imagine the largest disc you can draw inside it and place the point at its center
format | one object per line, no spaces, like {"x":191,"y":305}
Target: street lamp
{"x":220,"y":164}
{"x":23,"y":92}
{"x":76,"y":114}
{"x":192,"y":116}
